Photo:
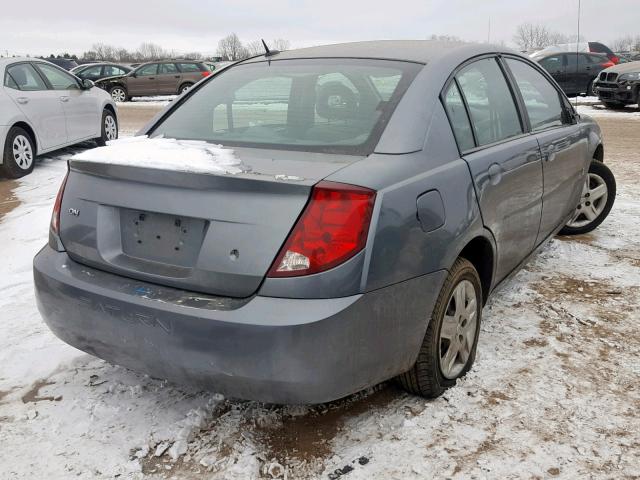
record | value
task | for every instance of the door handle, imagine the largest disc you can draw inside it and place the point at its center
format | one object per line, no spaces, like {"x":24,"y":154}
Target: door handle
{"x":22,"y":100}
{"x":176,"y":76}
{"x":64,"y":98}
{"x":152,"y":78}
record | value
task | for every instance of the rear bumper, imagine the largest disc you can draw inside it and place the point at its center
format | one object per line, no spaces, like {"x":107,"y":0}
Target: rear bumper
{"x":268,"y":349}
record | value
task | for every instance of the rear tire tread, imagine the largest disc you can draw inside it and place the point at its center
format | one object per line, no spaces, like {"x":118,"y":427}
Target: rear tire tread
{"x":425,"y":378}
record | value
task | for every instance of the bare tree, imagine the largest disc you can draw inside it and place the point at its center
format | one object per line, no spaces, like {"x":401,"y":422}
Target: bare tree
{"x":529,"y":36}
{"x":151,"y":51}
{"x":231,"y":48}
{"x":626,"y":43}
{"x":280,"y":44}
{"x":254,"y":48}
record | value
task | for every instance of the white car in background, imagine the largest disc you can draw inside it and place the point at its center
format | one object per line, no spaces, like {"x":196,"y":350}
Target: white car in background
{"x":44,"y":108}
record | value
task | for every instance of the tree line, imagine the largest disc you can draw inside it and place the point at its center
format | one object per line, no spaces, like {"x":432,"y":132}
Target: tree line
{"x":531,"y":36}
{"x":230,"y":48}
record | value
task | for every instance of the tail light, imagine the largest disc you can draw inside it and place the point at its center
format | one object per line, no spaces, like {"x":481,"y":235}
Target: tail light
{"x":615,"y":59}
{"x":608,"y":64}
{"x":206,"y":73}
{"x":55,"y":215}
{"x":332,"y":228}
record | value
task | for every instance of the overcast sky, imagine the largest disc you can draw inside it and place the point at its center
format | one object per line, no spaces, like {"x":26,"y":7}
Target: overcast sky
{"x":40,"y":27}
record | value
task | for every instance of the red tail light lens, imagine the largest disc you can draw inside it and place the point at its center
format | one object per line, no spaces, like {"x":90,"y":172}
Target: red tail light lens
{"x":332,"y":228}
{"x":608,"y":64}
{"x":55,"y":216}
{"x":206,"y":73}
{"x":614,"y":58}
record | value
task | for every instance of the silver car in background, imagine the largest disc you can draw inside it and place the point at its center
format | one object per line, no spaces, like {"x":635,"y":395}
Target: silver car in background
{"x":44,"y":108}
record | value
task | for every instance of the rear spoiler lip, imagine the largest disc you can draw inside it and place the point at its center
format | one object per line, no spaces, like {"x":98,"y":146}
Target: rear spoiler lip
{"x":250,"y":181}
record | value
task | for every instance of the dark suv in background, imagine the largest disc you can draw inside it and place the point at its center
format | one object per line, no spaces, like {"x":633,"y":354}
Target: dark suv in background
{"x":168,"y":77}
{"x":575,"y":72}
{"x":619,"y":85}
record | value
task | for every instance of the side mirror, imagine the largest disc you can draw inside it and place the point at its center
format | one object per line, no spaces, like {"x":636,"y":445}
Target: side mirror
{"x":87,"y":84}
{"x":133,"y":74}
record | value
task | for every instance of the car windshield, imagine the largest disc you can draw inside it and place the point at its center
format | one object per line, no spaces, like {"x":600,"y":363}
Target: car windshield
{"x":325,"y":105}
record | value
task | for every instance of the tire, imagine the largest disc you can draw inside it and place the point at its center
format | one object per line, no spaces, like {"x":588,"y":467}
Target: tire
{"x":429,"y":376}
{"x":590,"y":92}
{"x":118,"y":94}
{"x":592,"y":210}
{"x":613,"y":105}
{"x":109,"y":128}
{"x":184,"y":87}
{"x":19,"y":154}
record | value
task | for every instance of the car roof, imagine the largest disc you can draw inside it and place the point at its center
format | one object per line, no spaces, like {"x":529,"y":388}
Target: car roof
{"x":418,"y":51}
{"x":9,"y":60}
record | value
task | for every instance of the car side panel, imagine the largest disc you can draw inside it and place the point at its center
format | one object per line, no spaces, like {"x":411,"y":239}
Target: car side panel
{"x":508,"y":181}
{"x":45,"y":113}
{"x":398,"y":248}
{"x":565,"y":153}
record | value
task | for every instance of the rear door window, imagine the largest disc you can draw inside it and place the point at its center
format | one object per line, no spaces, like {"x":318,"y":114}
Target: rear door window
{"x":168,"y":68}
{"x":25,"y":77}
{"x":458,"y":118}
{"x":493,"y":112}
{"x":110,"y":71}
{"x":552,"y":64}
{"x":541,"y":99}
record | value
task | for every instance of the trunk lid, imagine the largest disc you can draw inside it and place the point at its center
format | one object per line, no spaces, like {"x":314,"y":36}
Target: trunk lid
{"x":198,"y":231}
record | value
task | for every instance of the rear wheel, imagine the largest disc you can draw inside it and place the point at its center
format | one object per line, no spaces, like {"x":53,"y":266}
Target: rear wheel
{"x":19,"y":154}
{"x":598,"y":195}
{"x":449,"y":346}
{"x":109,"y":128}
{"x":118,"y":94}
{"x":185,"y":87}
{"x":590,"y":91}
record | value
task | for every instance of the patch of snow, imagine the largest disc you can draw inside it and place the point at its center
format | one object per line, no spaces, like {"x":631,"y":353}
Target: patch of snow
{"x":165,"y":154}
{"x":602,"y":111}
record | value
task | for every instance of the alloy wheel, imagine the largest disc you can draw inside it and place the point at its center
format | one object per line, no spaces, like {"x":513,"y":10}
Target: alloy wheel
{"x":118,"y":95}
{"x":110,"y":128}
{"x":458,"y":330}
{"x":22,"y":152}
{"x":592,"y":202}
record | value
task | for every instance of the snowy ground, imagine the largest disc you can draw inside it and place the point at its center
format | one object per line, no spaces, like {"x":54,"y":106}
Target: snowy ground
{"x":554,"y":392}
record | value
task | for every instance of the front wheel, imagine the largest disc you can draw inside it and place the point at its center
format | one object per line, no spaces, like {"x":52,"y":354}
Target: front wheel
{"x":449,"y":347}
{"x":18,"y":157}
{"x":109,"y":128}
{"x":596,"y":201}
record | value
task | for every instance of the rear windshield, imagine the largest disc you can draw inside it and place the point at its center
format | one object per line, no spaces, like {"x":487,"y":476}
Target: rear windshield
{"x":326,"y":105}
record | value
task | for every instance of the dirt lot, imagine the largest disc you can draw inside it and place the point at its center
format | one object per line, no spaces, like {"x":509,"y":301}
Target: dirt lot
{"x":554,"y":393}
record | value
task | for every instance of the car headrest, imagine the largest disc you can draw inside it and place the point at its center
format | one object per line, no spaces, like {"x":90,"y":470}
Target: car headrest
{"x":336,"y":101}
